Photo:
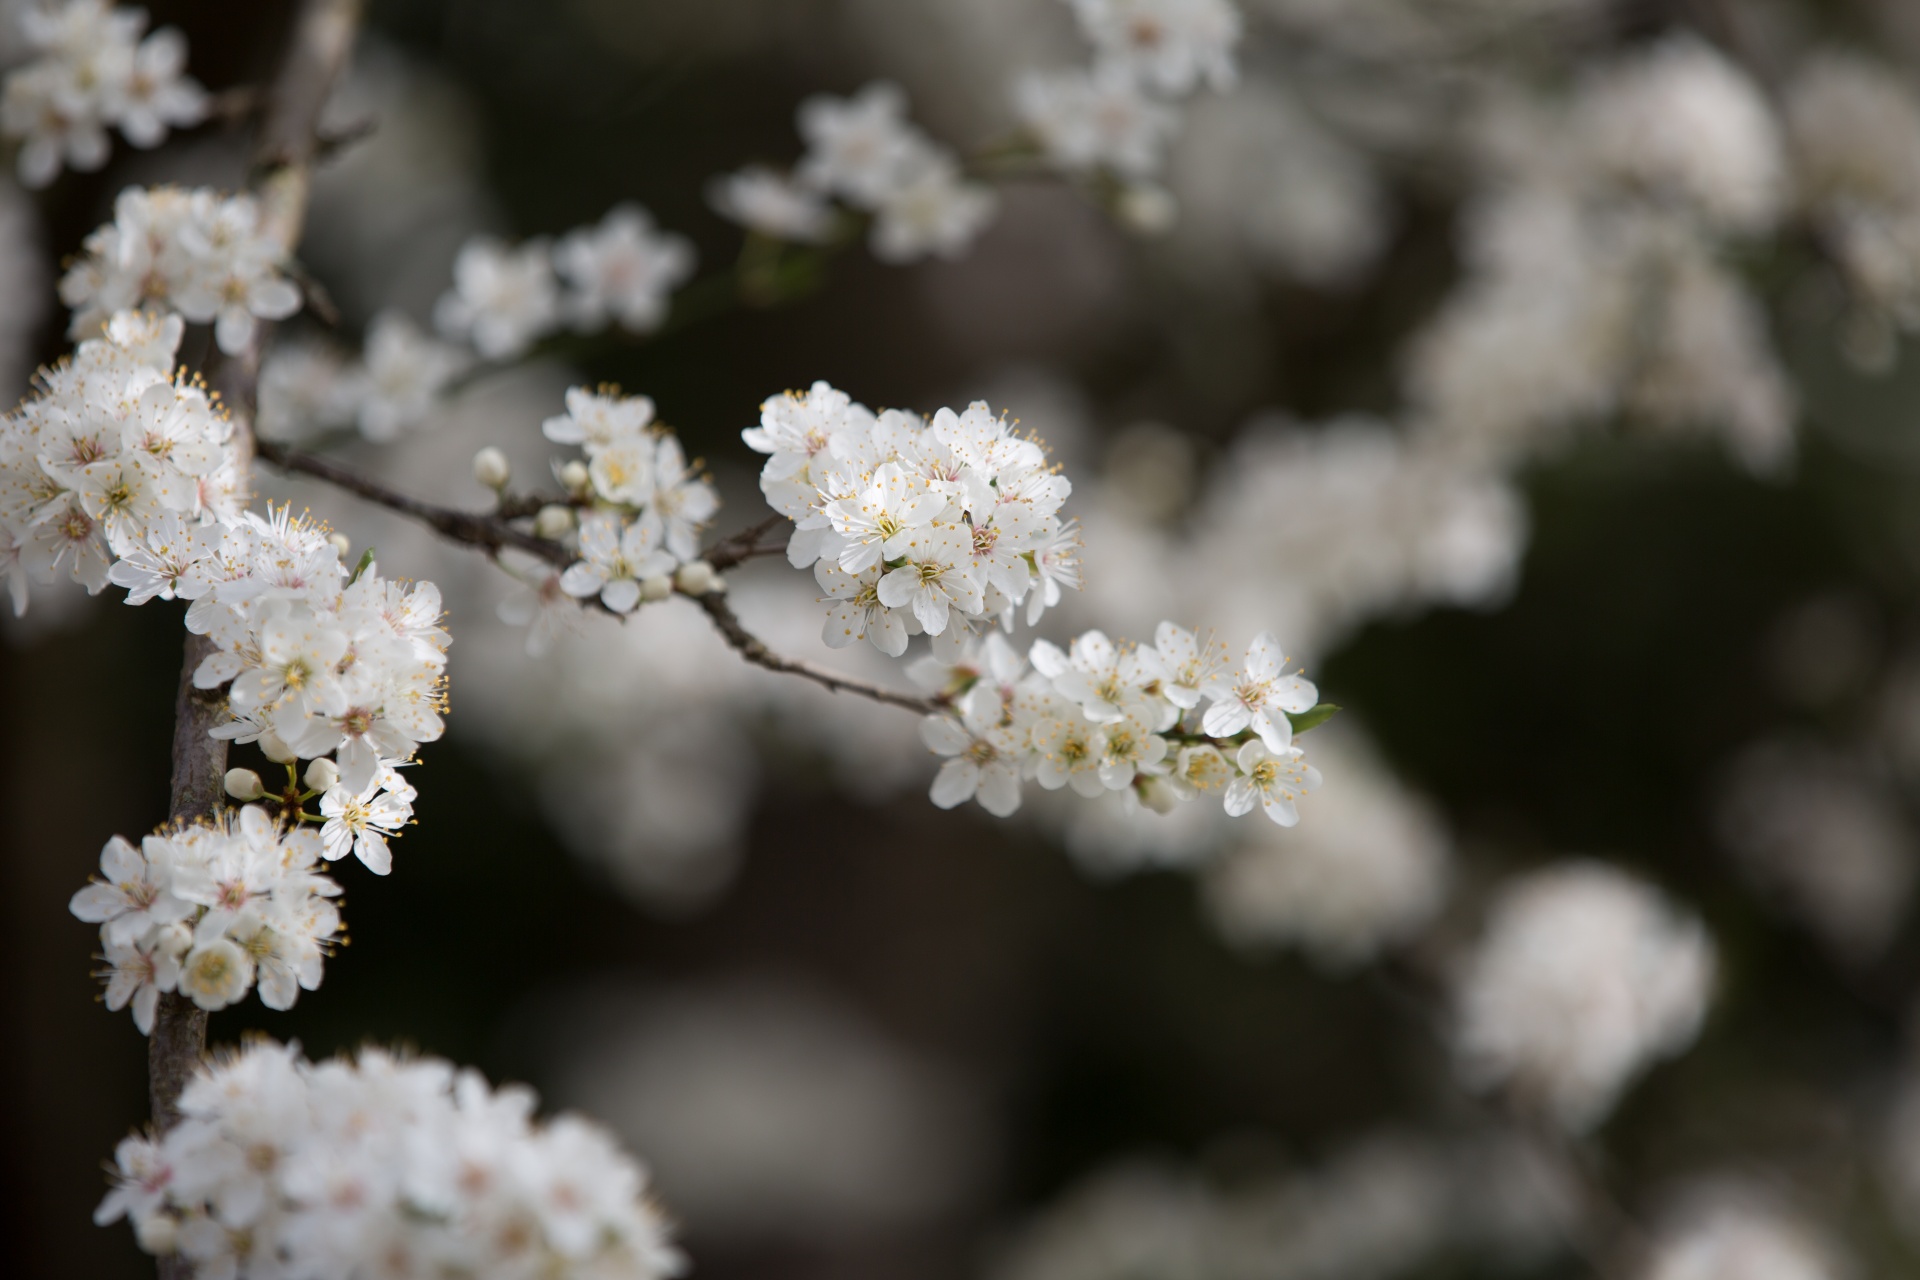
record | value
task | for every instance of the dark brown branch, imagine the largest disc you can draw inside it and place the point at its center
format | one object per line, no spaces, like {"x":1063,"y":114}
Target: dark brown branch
{"x":476,"y":529}
{"x":749,"y":646}
{"x":492,"y":532}
{"x":322,"y":37}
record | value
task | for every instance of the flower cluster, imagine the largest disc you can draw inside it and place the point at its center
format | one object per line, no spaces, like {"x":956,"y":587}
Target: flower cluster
{"x":642,"y":504}
{"x":1854,"y":127}
{"x":92,"y":71}
{"x":864,"y":152}
{"x":912,"y":525}
{"x":1585,"y":976}
{"x":1102,"y":717}
{"x":115,"y":457}
{"x":1598,"y":280}
{"x":1117,"y":115}
{"x":506,"y":298}
{"x":211,"y":910}
{"x":382,"y":1165}
{"x":322,"y":665}
{"x":196,"y":252}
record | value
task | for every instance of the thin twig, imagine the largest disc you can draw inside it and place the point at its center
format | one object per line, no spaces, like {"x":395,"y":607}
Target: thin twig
{"x":749,"y":646}
{"x":476,"y":529}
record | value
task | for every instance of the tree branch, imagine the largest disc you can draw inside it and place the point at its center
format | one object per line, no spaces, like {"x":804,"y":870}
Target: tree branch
{"x":322,"y":38}
{"x":492,"y":532}
{"x":749,"y":646}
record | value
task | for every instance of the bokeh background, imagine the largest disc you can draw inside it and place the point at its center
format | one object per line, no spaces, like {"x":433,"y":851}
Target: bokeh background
{"x":859,"y":1037}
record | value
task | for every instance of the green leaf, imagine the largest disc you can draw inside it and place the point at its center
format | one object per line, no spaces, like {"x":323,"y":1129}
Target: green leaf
{"x":366,"y":559}
{"x":1312,"y":717}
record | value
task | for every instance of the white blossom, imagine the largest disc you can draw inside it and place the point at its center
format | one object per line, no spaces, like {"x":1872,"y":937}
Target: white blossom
{"x":209,"y":909}
{"x":1170,"y":45}
{"x":1583,"y":978}
{"x":503,"y":299}
{"x":623,"y":270}
{"x":91,"y":71}
{"x":342,"y":1167}
{"x":772,"y":204}
{"x":196,"y":252}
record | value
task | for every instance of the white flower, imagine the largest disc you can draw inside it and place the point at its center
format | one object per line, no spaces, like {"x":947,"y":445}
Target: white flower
{"x":858,"y":147}
{"x":983,"y":758}
{"x":1258,"y":697}
{"x":936,"y":578}
{"x":1133,"y":748}
{"x":1184,"y":664}
{"x":773,"y":205}
{"x":402,"y":373}
{"x":1096,"y":119}
{"x":878,"y":522}
{"x":1169,"y":45}
{"x":360,"y":822}
{"x":622,"y":470}
{"x":298,"y":655}
{"x":503,"y":299}
{"x":856,"y":610}
{"x":1070,"y":750}
{"x":623,"y":270}
{"x":615,"y":555}
{"x":597,"y":422}
{"x":231,"y":276}
{"x":1274,"y":780}
{"x":216,"y":973}
{"x":138,"y":976}
{"x":135,"y":897}
{"x":683,"y":501}
{"x":932,"y":211}
{"x":69,"y":540}
{"x":157,"y":95}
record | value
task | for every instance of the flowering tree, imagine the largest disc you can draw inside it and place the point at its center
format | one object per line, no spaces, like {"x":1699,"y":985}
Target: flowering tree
{"x":950,"y":563}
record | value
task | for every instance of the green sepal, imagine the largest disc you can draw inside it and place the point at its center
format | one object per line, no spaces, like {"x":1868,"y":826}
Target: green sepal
{"x":1313,"y":717}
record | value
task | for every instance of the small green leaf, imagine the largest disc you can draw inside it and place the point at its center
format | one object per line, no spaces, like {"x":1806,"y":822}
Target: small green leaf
{"x":1312,"y":717}
{"x":366,"y":559}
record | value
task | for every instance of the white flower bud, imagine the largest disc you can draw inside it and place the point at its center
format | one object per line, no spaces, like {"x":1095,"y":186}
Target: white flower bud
{"x":1156,"y":794}
{"x":490,"y":468}
{"x":275,"y":748}
{"x":338,"y":541}
{"x":174,"y":939}
{"x":656,"y":586}
{"x":1147,"y":209}
{"x":157,"y":1234}
{"x":696,"y":578}
{"x":244,"y":784}
{"x":554,"y":521}
{"x":321,"y":775}
{"x":576,"y":477}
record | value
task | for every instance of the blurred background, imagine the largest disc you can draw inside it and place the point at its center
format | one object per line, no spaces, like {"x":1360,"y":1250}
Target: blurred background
{"x":1602,"y":560}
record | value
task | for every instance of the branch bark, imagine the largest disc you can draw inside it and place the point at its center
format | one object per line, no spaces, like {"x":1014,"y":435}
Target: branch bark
{"x":289,"y":139}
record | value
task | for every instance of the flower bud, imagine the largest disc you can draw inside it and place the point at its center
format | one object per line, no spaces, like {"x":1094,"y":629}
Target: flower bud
{"x":244,"y":784}
{"x":338,"y":541}
{"x":174,"y":939}
{"x":1147,"y":209}
{"x":490,"y":468}
{"x":157,"y":1234}
{"x":696,"y":578}
{"x":275,"y":748}
{"x":656,"y":586}
{"x":576,"y":477}
{"x":321,"y":775}
{"x":554,"y":521}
